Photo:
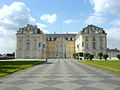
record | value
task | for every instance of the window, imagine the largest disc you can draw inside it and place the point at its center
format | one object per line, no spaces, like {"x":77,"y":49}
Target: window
{"x":50,"y":39}
{"x":28,"y":45}
{"x":86,"y":39}
{"x":101,"y":46}
{"x":94,"y":45}
{"x":73,"y":39}
{"x":101,"y":39}
{"x":86,"y":46}
{"x":94,"y":38}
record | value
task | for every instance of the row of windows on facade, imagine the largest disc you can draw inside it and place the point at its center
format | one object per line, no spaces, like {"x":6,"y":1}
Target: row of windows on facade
{"x":35,"y":45}
{"x":94,"y":38}
{"x":53,"y":39}
{"x":93,"y":46}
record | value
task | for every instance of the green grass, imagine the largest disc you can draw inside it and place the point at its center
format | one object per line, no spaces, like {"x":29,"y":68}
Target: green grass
{"x":109,"y":65}
{"x":8,"y":67}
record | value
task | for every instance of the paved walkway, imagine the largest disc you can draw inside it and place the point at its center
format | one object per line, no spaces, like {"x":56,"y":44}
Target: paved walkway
{"x":61,"y":74}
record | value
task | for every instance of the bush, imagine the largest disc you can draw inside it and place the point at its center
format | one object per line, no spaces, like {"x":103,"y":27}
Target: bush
{"x":100,"y":55}
{"x":118,"y":56}
{"x":86,"y":55}
{"x":91,"y":56}
{"x":105,"y":56}
{"x":80,"y":54}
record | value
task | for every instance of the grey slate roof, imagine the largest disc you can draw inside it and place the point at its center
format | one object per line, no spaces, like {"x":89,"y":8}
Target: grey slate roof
{"x":95,"y":30}
{"x":66,"y":36}
{"x":113,"y":50}
{"x":60,"y":35}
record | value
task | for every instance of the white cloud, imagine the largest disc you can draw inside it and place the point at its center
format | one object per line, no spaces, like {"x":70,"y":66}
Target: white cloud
{"x":42,"y":27}
{"x":101,"y":7}
{"x":116,"y":22}
{"x":49,"y":18}
{"x":113,"y":37}
{"x":109,"y":6}
{"x":96,"y":19}
{"x":68,"y":21}
{"x":13,"y":17}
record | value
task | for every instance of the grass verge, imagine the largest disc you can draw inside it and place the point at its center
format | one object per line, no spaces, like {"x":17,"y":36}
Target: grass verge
{"x":8,"y":67}
{"x":109,"y":65}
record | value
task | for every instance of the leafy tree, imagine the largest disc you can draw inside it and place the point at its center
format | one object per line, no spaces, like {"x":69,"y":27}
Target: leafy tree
{"x":105,"y":56}
{"x":118,"y":56}
{"x":100,"y":55}
{"x":91,"y":56}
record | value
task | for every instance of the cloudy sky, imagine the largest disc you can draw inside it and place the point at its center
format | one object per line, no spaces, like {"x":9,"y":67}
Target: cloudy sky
{"x":58,"y":16}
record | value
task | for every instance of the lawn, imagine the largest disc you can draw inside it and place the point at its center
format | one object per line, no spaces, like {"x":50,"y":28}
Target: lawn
{"x":8,"y":67}
{"x":109,"y":65}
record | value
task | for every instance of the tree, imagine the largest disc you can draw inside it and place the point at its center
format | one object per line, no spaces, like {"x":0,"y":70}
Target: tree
{"x":91,"y":56}
{"x":118,"y":56}
{"x":100,"y":55}
{"x":86,"y":55}
{"x":105,"y":56}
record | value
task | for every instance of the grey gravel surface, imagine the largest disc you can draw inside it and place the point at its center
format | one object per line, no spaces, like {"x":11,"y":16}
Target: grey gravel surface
{"x":61,"y":74}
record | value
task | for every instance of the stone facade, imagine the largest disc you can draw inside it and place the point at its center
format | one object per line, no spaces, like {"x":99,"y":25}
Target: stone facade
{"x":92,"y":40}
{"x":33,"y":43}
{"x":60,"y":45}
{"x":28,"y":39}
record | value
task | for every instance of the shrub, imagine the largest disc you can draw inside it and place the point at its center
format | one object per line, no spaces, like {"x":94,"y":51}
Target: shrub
{"x":91,"y":56}
{"x":105,"y":56}
{"x":100,"y":55}
{"x":86,"y":55}
{"x":118,"y":56}
{"x":80,"y":54}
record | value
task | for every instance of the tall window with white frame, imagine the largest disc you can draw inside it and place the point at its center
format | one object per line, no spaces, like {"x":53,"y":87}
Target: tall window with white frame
{"x":94,"y":45}
{"x":27,"y":46}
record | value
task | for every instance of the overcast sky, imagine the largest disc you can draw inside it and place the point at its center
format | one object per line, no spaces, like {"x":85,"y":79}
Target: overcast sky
{"x":58,"y":16}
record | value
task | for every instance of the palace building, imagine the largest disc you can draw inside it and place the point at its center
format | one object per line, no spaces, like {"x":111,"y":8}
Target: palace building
{"x":33,"y":43}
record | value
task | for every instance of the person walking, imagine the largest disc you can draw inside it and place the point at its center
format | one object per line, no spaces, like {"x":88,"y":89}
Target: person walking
{"x":46,"y":59}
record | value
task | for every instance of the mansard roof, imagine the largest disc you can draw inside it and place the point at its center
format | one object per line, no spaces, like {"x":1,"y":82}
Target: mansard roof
{"x":113,"y":50}
{"x":29,"y":29}
{"x":60,"y":35}
{"x":65,"y":36}
{"x":92,"y":29}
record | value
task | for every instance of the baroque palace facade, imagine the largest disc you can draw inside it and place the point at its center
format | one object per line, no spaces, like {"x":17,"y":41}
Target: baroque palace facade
{"x":33,"y":43}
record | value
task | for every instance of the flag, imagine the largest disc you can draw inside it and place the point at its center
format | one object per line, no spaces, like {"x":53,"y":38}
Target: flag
{"x":39,"y":44}
{"x":82,"y":44}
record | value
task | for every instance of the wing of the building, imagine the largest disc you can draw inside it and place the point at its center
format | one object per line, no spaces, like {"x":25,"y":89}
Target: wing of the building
{"x":91,"y":39}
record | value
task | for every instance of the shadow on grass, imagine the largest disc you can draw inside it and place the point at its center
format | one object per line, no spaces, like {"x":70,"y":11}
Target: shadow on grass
{"x":9,"y":67}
